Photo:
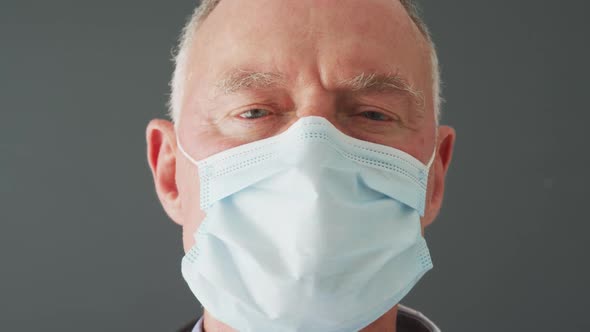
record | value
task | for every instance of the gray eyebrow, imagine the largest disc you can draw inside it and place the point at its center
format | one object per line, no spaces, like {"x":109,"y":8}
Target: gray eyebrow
{"x":239,"y":79}
{"x":383,"y":83}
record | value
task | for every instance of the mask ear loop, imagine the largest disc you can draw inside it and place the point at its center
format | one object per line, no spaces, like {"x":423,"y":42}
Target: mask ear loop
{"x":433,"y":152}
{"x":182,"y":151}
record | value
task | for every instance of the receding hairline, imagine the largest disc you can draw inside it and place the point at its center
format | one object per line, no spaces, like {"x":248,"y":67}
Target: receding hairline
{"x":204,"y":9}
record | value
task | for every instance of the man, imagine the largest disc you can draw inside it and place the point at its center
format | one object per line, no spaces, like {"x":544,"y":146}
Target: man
{"x":303,"y":163}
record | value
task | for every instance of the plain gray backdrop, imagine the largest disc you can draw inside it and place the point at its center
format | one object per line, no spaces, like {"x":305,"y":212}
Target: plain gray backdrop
{"x":85,"y":245}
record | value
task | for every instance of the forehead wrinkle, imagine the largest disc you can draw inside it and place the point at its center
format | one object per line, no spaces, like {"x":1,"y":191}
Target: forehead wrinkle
{"x":383,"y":83}
{"x":240,"y":79}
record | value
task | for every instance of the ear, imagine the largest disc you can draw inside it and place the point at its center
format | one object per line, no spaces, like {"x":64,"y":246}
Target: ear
{"x":444,"y":154}
{"x":161,"y":154}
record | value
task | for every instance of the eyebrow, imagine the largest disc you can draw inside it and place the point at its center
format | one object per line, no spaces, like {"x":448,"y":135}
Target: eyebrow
{"x":383,"y":83}
{"x":240,"y":79}
{"x":363,"y":83}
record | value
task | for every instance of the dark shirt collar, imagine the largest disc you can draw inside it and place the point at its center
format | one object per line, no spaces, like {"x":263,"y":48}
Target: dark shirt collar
{"x":408,"y":320}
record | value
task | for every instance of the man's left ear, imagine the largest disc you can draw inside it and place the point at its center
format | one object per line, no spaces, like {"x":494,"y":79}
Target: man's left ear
{"x":436,"y":184}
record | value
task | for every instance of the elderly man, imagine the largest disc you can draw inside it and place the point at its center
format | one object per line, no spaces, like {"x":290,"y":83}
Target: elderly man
{"x":303,"y":162}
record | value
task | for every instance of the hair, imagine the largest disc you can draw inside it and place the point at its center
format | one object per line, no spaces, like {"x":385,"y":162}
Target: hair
{"x":205,"y":8}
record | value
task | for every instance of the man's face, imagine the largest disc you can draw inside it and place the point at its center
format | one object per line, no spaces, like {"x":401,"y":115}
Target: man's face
{"x":256,"y":67}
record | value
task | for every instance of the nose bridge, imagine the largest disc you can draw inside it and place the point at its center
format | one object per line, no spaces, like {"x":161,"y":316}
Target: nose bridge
{"x":315,"y":100}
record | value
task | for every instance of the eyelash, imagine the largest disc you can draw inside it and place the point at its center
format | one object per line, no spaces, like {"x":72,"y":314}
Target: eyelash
{"x":254,"y":109}
{"x":364,"y":114}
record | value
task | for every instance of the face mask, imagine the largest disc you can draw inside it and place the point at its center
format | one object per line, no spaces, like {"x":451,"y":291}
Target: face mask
{"x":309,"y":230}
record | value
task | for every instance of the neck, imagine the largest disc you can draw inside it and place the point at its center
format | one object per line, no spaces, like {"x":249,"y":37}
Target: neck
{"x":385,"y":323}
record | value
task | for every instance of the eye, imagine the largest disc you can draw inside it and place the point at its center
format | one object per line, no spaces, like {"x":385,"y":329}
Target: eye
{"x":254,"y":114}
{"x":375,"y":116}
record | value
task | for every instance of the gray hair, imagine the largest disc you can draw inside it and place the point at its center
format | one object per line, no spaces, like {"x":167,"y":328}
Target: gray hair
{"x":206,"y":7}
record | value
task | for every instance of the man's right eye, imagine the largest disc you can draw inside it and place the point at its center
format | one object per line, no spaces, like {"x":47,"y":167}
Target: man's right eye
{"x":254,"y":114}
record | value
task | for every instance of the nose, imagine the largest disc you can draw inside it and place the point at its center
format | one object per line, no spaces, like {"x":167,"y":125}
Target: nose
{"x":317,"y":101}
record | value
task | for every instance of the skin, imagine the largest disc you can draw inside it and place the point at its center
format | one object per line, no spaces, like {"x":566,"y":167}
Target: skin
{"x":315,"y":45}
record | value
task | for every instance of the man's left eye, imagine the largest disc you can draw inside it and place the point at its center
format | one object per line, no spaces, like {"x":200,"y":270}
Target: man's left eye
{"x":375,"y":116}
{"x":253,"y":114}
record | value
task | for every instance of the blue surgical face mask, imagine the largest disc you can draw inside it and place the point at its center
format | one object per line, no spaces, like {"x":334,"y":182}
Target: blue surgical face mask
{"x":310,"y":230}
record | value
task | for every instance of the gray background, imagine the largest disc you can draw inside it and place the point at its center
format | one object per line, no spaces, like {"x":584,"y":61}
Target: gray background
{"x":85,"y":245}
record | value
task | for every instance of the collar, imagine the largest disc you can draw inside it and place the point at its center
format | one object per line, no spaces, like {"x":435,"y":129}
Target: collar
{"x":408,"y":320}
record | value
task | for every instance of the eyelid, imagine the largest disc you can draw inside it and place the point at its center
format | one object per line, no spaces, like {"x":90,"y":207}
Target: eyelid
{"x":244,"y":109}
{"x":264,"y":114}
{"x":368,"y":108}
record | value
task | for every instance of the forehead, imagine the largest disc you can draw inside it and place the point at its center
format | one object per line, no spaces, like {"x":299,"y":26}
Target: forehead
{"x":326,"y":40}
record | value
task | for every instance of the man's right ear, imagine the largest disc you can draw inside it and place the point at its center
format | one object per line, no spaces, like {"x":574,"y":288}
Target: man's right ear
{"x":161,"y":154}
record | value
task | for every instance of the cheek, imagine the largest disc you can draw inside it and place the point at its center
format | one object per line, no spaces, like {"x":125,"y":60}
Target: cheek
{"x":187,"y":179}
